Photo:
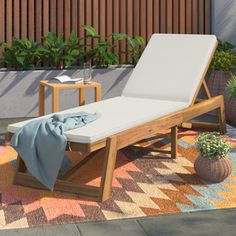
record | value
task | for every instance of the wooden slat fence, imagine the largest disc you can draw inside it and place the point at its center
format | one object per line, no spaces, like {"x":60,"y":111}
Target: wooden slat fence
{"x":35,"y":18}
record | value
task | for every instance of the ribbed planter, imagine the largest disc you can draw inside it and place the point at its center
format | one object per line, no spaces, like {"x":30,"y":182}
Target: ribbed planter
{"x":214,"y":170}
{"x":217,"y":82}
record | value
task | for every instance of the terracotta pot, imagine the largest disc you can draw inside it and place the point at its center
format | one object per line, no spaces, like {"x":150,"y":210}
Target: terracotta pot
{"x":217,"y":82}
{"x":214,"y":170}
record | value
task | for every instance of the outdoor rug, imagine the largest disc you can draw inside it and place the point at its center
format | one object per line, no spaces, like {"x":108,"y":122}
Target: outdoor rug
{"x":144,"y":184}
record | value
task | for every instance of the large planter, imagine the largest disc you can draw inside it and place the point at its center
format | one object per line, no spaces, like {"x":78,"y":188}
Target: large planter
{"x":19,"y":89}
{"x":217,"y":82}
{"x":214,"y":170}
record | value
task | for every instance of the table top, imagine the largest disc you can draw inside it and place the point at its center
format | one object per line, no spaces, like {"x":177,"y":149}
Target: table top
{"x":65,"y":85}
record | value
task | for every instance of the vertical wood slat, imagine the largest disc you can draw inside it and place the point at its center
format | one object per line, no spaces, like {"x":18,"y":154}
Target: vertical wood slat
{"x":116,"y":17}
{"x":188,"y":16}
{"x":53,"y":16}
{"x":156,"y":17}
{"x":23,"y":19}
{"x":163,"y":16}
{"x":123,"y":16}
{"x":31,"y":21}
{"x":35,"y":18}
{"x":67,"y":20}
{"x":182,"y":14}
{"x":16,"y":22}
{"x":45,"y":17}
{"x":74,"y":13}
{"x":2,"y":25}
{"x":195,"y":12}
{"x":143,"y":18}
{"x":95,"y":18}
{"x":38,"y":23}
{"x":137,"y":17}
{"x":176,"y":20}
{"x":169,"y":16}
{"x":207,"y":16}
{"x":149,"y":19}
{"x":201,"y":16}
{"x":130,"y":23}
{"x":60,"y":16}
{"x":9,"y":21}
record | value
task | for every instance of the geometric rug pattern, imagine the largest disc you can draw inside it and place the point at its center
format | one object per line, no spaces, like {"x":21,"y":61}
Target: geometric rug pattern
{"x":144,"y":184}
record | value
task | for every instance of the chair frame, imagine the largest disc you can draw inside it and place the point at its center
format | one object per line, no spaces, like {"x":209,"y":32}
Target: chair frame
{"x":109,"y":146}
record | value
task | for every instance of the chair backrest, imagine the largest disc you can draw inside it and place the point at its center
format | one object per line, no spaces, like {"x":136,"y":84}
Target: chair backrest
{"x":171,"y":67}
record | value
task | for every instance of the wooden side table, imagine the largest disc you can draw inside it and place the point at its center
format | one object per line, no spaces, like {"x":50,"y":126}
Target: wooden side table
{"x":55,"y":87}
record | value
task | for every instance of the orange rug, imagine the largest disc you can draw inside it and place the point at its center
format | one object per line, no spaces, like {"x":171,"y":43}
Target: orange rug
{"x":144,"y":184}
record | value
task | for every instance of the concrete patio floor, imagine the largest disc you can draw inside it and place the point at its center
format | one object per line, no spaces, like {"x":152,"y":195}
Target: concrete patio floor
{"x":207,"y":223}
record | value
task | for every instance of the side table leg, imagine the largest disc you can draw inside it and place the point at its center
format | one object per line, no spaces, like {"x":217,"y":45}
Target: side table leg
{"x":98,"y":93}
{"x":41,"y":111}
{"x":81,"y":96}
{"x":55,"y":98}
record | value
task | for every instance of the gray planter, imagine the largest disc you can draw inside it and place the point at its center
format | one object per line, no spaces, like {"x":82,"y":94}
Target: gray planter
{"x":19,"y":89}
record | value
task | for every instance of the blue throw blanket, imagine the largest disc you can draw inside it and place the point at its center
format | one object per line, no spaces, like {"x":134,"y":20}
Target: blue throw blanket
{"x":41,"y":143}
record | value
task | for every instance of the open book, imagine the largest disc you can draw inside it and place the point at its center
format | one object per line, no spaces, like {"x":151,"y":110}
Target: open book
{"x":66,"y":79}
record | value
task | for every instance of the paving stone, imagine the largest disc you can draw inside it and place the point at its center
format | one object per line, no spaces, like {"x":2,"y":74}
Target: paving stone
{"x":55,"y":230}
{"x":208,"y":223}
{"x":112,"y":228}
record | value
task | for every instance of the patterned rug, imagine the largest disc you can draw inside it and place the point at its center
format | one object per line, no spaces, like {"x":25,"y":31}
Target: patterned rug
{"x":144,"y":184}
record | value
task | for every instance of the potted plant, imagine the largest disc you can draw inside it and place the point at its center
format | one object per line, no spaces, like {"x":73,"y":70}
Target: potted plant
{"x":213,"y":163}
{"x":231,"y":100}
{"x":220,"y":73}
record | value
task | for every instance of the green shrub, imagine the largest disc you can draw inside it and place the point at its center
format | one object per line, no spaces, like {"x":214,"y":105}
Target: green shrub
{"x":225,"y":46}
{"x":59,"y":53}
{"x":231,"y":87}
{"x":224,"y":58}
{"x":103,"y":52}
{"x":137,"y":45}
{"x":21,"y":54}
{"x":212,"y":145}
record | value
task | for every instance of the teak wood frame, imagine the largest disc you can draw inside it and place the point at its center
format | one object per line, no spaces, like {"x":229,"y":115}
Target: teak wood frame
{"x":109,"y":146}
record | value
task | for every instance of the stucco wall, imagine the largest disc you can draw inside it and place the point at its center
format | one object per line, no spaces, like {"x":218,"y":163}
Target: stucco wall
{"x":224,"y":19}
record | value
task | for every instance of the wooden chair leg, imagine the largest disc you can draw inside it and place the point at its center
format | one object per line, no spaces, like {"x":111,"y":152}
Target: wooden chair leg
{"x":174,"y":133}
{"x":108,"y":169}
{"x":221,"y":114}
{"x":20,"y":166}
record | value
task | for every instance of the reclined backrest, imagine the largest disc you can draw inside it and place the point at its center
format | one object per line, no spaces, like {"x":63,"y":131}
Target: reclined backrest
{"x":171,"y":67}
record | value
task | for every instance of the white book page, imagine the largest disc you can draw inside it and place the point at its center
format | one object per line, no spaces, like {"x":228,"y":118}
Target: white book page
{"x":65,"y":78}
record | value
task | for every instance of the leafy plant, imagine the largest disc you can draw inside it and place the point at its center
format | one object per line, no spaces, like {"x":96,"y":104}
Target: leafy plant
{"x":231,"y":87}
{"x":59,"y":53}
{"x":103,"y":52}
{"x":21,"y":54}
{"x":72,"y":50}
{"x":225,"y":46}
{"x":212,"y":145}
{"x":137,"y":47}
{"x":224,"y":58}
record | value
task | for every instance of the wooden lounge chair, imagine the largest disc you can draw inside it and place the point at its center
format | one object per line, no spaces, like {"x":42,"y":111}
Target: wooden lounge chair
{"x":160,"y":94}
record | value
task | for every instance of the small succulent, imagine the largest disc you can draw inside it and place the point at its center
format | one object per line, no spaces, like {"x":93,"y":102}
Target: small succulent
{"x":212,"y":145}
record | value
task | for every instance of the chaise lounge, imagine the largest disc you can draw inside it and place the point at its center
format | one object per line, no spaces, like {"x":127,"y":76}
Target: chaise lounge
{"x":160,"y":94}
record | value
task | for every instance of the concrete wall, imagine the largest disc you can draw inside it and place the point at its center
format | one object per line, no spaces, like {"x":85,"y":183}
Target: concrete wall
{"x":224,"y":19}
{"x":19,"y":90}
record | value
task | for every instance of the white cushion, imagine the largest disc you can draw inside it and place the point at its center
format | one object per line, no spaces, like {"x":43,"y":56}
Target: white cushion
{"x":171,"y":67}
{"x":117,"y":114}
